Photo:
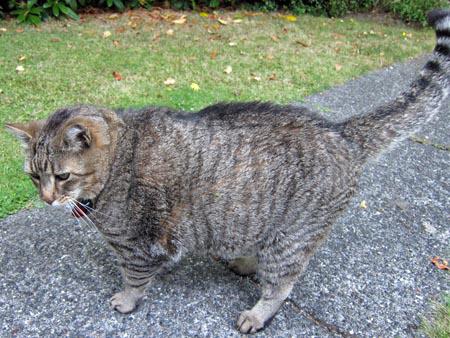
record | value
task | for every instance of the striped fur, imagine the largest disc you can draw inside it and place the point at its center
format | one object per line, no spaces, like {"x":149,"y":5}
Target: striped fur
{"x":254,"y":180}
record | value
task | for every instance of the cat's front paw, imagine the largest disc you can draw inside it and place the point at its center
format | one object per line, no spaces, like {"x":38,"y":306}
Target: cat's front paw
{"x":249,"y":322}
{"x":124,"y":301}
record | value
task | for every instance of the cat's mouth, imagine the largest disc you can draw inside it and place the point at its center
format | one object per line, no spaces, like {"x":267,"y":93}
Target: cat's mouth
{"x":83,"y":207}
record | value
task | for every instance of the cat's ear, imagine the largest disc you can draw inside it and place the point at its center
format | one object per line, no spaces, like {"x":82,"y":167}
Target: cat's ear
{"x":25,"y":132}
{"x":77,"y":137}
{"x":84,"y":132}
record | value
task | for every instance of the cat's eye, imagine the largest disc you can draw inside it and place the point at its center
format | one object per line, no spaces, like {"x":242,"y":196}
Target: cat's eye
{"x":62,"y":177}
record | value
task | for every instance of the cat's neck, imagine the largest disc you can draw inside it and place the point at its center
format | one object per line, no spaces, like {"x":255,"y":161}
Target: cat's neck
{"x":112,"y":199}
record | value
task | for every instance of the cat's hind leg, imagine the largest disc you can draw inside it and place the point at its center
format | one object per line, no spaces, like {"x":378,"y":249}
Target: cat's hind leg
{"x":280,"y":262}
{"x":271,"y":299}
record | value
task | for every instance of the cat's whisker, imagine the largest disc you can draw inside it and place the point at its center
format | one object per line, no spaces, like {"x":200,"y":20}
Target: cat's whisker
{"x":92,"y":210}
{"x":90,"y":224}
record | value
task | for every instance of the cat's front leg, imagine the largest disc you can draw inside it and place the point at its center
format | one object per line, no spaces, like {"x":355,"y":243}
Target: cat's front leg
{"x":136,"y":278}
{"x":127,"y":300}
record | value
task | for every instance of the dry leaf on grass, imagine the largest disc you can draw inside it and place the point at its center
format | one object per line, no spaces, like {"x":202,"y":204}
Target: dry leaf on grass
{"x":106,"y":34}
{"x":338,"y":67}
{"x":169,"y":82}
{"x":195,"y":87}
{"x":291,"y":18}
{"x":213,"y":55}
{"x":22,"y":58}
{"x":20,"y":69}
{"x":169,"y":32}
{"x":180,"y":20}
{"x":203,"y":14}
{"x":116,"y":43}
{"x":117,"y":76}
{"x":228,"y":70}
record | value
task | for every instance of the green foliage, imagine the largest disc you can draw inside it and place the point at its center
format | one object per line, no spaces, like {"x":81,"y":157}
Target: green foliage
{"x":413,"y":10}
{"x":29,"y":12}
{"x":34,"y":11}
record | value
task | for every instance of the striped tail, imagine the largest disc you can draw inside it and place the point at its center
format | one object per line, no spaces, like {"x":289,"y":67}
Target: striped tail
{"x":397,"y":119}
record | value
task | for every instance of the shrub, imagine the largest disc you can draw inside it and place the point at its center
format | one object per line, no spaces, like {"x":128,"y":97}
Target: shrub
{"x":34,"y":11}
{"x":413,"y":10}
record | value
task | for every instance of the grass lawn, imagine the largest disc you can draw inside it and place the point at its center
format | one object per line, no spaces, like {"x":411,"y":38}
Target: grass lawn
{"x":439,"y":325}
{"x":266,"y":57}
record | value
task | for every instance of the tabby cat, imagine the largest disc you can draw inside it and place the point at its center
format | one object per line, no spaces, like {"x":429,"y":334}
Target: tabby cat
{"x":257,"y":184}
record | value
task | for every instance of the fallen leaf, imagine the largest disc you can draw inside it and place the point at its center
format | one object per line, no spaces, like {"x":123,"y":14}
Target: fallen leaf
{"x":180,"y":20}
{"x":120,"y":29}
{"x":232,"y":44}
{"x":255,"y":78}
{"x":55,"y":40}
{"x":338,"y":36}
{"x":213,"y":55}
{"x":106,"y":34}
{"x":228,"y":70}
{"x":132,"y":24}
{"x":3,"y":29}
{"x":274,"y":38}
{"x":269,"y":57}
{"x":169,"y":82}
{"x":203,"y":14}
{"x":169,"y":32}
{"x":237,"y":20}
{"x":291,"y":18}
{"x":440,"y":263}
{"x":338,"y":67}
{"x":363,"y":204}
{"x":116,"y":43}
{"x":272,"y":77}
{"x":302,"y":43}
{"x":19,"y":69}
{"x":222,"y":21}
{"x":113,"y":16}
{"x":22,"y":58}
{"x":20,"y":30}
{"x":195,"y":87}
{"x":117,"y":76}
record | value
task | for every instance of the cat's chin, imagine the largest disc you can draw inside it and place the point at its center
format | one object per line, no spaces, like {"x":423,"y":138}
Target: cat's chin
{"x":83,"y":208}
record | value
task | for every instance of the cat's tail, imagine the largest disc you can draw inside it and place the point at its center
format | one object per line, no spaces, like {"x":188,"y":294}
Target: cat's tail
{"x":397,"y":119}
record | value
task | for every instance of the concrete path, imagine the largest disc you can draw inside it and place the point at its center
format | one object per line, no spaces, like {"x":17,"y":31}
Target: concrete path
{"x":373,"y":277}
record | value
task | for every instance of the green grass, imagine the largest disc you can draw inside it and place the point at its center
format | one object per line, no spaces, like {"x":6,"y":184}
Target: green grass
{"x":439,"y":326}
{"x":69,"y":62}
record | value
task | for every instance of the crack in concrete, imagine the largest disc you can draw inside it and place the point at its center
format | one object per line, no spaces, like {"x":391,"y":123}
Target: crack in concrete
{"x":310,"y":316}
{"x":426,"y":142}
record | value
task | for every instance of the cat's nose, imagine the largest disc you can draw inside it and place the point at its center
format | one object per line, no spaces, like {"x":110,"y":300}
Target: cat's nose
{"x":47,"y":198}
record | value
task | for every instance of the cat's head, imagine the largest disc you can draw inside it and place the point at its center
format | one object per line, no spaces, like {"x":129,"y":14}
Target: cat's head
{"x":68,"y":156}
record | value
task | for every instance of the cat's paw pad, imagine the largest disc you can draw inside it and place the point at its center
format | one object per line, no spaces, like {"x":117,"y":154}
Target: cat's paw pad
{"x":123,"y":302}
{"x":248,"y":322}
